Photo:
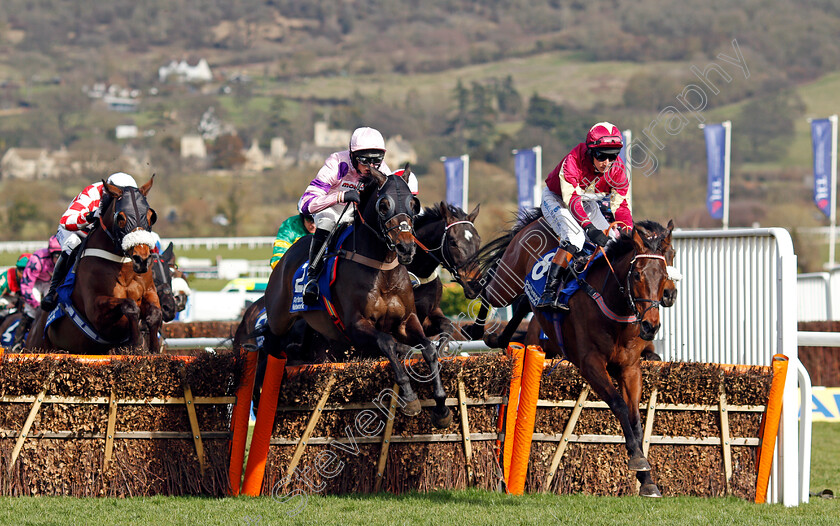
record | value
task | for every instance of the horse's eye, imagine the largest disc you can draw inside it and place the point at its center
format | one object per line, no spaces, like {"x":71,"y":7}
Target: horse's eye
{"x":636,"y":275}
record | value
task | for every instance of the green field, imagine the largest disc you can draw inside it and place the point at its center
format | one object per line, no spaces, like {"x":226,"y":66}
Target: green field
{"x":445,"y":507}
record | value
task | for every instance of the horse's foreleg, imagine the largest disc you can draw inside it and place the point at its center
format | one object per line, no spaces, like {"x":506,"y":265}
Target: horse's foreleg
{"x":594,"y":369}
{"x":441,"y":415}
{"x":630,"y":381}
{"x":364,"y":334}
{"x":153,"y":316}
{"x":131,"y":311}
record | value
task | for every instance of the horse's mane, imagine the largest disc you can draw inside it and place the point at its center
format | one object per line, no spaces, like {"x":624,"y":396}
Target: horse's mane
{"x":624,"y":244}
{"x":489,"y":255}
{"x":431,"y":214}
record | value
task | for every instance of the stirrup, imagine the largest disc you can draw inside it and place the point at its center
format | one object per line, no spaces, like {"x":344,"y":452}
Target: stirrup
{"x":311,"y":293}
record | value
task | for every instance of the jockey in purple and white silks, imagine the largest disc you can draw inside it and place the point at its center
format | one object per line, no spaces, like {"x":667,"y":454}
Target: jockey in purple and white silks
{"x":339,"y":182}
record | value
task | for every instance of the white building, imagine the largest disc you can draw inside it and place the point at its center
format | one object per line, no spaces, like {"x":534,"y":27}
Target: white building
{"x":183,"y":72}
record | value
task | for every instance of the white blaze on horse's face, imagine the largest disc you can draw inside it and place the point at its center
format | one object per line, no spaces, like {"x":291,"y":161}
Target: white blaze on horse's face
{"x":468,"y":235}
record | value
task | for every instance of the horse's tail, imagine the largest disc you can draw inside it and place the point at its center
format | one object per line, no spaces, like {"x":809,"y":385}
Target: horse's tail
{"x":488,"y":256}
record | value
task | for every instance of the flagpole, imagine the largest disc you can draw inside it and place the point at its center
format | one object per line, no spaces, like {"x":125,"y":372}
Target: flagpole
{"x":727,"y":126}
{"x":833,"y":215}
{"x":538,"y":180}
{"x":466,"y":160}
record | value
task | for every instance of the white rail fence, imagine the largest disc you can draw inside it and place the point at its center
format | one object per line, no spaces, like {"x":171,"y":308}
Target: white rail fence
{"x":737,"y":304}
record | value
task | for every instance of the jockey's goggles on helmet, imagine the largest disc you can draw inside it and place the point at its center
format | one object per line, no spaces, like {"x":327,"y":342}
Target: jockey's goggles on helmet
{"x":604,"y":155}
{"x":370,"y":158}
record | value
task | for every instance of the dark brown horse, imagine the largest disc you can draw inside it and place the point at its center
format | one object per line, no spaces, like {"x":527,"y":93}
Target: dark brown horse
{"x":607,"y":327}
{"x":447,"y":237}
{"x":372,"y":296}
{"x":114,"y":289}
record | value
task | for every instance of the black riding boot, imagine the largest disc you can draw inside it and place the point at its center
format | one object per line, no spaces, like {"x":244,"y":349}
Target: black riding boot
{"x":21,"y":331}
{"x":62,"y":266}
{"x":310,"y":291}
{"x":550,"y":298}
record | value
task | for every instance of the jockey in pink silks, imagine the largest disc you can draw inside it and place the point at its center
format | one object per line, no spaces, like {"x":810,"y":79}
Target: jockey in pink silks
{"x":339,"y":182}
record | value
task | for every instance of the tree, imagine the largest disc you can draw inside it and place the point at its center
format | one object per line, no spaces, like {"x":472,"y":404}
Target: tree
{"x":227,"y":152}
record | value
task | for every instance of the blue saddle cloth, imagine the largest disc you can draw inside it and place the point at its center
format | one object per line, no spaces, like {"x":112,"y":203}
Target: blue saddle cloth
{"x":535,"y":280}
{"x":325,"y":280}
{"x":262,"y":319}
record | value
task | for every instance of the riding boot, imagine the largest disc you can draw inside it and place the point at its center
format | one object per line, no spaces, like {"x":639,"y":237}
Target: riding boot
{"x":21,"y":331}
{"x":62,"y":266}
{"x":310,"y":290}
{"x":557,"y":274}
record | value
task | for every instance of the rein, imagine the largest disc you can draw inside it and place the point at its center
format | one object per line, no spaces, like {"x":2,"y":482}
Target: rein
{"x":625,"y":291}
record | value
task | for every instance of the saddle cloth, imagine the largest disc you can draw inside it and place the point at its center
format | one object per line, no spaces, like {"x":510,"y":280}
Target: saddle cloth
{"x":325,"y":280}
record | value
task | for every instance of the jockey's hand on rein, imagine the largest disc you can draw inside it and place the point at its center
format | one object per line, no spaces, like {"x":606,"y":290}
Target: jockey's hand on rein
{"x":350,"y":196}
{"x":595,"y":235}
{"x":90,"y":217}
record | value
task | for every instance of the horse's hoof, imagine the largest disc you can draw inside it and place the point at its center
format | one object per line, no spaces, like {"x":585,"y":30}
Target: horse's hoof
{"x":441,"y":421}
{"x":411,"y":408}
{"x":639,"y":464}
{"x":649,"y":490}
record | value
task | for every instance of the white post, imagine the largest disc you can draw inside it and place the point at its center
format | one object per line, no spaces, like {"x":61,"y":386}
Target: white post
{"x":466,"y":160}
{"x":628,"y":165}
{"x":538,"y":180}
{"x":833,"y":215}
{"x":727,"y":126}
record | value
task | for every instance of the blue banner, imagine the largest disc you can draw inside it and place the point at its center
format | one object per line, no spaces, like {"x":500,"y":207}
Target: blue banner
{"x":715,"y":158}
{"x":454,"y":168}
{"x":525,"y":168}
{"x":821,"y":139}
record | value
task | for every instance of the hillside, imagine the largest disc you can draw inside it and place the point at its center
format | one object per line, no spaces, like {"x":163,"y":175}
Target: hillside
{"x":451,"y":76}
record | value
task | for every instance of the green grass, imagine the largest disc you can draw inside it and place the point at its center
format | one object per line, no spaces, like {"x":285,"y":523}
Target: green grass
{"x":470,"y":507}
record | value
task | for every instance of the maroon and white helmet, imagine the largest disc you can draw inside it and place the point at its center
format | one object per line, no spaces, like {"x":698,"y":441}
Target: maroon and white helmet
{"x":604,"y":136}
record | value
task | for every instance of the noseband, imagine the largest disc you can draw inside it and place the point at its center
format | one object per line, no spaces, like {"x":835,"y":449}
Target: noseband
{"x":137,"y":231}
{"x":405,"y":225}
{"x":632,"y":301}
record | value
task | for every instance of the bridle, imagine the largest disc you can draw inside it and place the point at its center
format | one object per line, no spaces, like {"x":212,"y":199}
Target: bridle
{"x":631,"y":300}
{"x":383,"y":233}
{"x":123,"y":239}
{"x":446,"y":254}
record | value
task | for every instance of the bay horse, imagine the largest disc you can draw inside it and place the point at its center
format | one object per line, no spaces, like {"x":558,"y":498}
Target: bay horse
{"x":608,"y":325}
{"x":454,"y":242}
{"x":373,"y":302}
{"x":114,"y":289}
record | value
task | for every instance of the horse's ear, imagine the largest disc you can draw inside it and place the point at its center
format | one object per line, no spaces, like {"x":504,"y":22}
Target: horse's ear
{"x":473,"y":214}
{"x":406,"y":172}
{"x":378,"y":176}
{"x":114,"y":190}
{"x":148,"y":186}
{"x":670,"y":226}
{"x":444,"y":210}
{"x":169,"y":253}
{"x":639,"y":235}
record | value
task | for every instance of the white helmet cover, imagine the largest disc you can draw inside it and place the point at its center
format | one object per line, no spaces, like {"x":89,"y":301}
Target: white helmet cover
{"x":366,"y":139}
{"x":122,"y":179}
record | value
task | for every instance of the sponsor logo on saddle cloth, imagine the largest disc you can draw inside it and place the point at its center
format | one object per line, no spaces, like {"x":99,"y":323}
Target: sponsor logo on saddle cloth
{"x":325,"y":280}
{"x":535,"y":280}
{"x":8,"y":336}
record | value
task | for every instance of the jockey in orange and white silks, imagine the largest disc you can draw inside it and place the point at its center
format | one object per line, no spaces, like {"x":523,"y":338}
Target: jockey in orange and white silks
{"x":571,"y":197}
{"x":339,"y":182}
{"x":75,"y":224}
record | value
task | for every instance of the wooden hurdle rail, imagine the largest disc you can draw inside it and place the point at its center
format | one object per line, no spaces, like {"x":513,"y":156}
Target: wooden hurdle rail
{"x":508,"y":427}
{"x":188,"y":401}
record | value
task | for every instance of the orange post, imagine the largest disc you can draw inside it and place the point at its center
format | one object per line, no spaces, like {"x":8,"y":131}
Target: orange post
{"x":525,"y":418}
{"x":770,"y":427}
{"x":258,"y":454}
{"x":516,"y":351}
{"x":239,"y":421}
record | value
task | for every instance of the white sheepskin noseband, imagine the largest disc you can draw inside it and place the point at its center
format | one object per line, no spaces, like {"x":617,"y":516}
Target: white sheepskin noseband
{"x":138,"y":237}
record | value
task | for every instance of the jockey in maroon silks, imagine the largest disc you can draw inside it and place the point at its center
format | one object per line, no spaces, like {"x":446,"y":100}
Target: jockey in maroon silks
{"x":570,"y":203}
{"x":339,"y":182}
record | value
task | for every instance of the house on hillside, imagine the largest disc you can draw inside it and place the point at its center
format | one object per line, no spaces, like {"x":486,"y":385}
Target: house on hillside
{"x":192,"y":146}
{"x":183,"y":72}
{"x":324,"y":137}
{"x":27,"y":163}
{"x":398,"y":151}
